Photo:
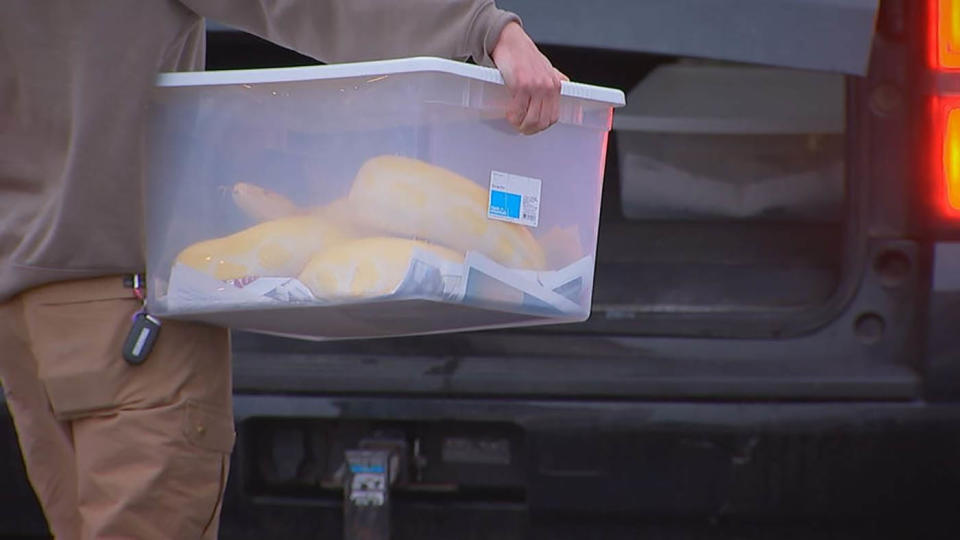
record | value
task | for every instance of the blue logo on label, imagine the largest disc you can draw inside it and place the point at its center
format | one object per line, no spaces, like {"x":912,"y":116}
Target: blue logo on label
{"x":504,"y":204}
{"x":360,"y":469}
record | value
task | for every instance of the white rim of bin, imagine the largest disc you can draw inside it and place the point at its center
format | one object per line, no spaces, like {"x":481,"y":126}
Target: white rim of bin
{"x":589,"y":92}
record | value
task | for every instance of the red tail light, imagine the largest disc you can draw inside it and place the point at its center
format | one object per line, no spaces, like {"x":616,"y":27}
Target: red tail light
{"x":944,"y":55}
{"x":947,"y":129}
{"x":945,"y":34}
{"x":951,"y":160}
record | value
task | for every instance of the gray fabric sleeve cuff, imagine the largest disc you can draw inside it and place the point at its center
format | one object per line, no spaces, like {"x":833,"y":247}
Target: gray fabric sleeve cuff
{"x":490,"y":24}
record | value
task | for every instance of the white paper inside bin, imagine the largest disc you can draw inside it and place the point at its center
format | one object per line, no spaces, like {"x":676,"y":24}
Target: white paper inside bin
{"x":427,"y":276}
{"x":571,"y":282}
{"x":191,"y":290}
{"x":486,"y":278}
{"x":434,"y":296}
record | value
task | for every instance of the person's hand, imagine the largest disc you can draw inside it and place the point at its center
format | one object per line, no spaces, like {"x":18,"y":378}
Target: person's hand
{"x":534,"y":83}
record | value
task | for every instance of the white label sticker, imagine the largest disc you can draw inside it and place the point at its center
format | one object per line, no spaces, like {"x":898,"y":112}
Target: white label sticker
{"x":514,"y":198}
{"x":141,"y":341}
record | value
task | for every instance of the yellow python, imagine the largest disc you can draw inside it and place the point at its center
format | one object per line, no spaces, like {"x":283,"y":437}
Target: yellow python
{"x":361,"y":244}
{"x":407,"y":197}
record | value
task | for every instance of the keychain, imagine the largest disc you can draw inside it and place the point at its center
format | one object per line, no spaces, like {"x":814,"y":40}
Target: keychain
{"x":144,"y":329}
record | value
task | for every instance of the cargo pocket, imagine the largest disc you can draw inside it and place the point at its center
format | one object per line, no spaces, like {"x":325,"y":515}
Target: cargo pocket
{"x":208,"y":427}
{"x":182,"y":457}
{"x":77,"y":331}
{"x":210,"y":431}
{"x":76,"y":340}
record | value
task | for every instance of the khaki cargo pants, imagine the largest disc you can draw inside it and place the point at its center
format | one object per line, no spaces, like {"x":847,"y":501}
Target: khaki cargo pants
{"x":113,"y":450}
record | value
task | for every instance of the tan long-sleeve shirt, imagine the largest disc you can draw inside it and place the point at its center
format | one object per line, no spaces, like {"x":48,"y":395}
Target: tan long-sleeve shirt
{"x":75,"y":79}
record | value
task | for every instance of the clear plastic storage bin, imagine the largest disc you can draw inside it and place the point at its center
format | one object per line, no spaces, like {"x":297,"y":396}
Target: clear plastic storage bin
{"x":369,"y":199}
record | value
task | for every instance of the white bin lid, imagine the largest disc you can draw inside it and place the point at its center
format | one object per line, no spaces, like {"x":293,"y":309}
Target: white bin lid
{"x":712,"y":99}
{"x":378,"y":68}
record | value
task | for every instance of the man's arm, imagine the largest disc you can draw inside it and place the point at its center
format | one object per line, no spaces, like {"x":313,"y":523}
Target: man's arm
{"x":353,"y":30}
{"x":533,"y":82}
